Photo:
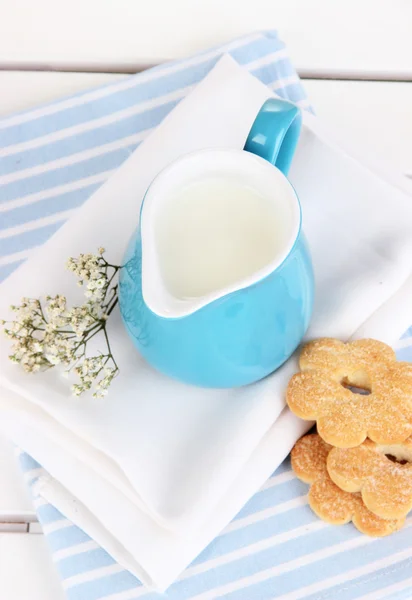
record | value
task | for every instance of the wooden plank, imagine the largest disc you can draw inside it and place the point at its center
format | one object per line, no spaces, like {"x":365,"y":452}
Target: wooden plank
{"x":26,"y":569}
{"x":20,"y":90}
{"x":370,"y":38}
{"x":16,"y":506}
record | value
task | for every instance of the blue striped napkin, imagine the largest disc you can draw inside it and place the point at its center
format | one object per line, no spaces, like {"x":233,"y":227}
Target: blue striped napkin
{"x":52,"y":159}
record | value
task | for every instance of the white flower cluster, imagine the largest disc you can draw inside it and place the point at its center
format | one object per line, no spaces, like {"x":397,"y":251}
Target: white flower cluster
{"x":89,"y":372}
{"x":58,"y":335}
{"x":90,"y":269}
{"x":82,"y":318}
{"x":36,"y":346}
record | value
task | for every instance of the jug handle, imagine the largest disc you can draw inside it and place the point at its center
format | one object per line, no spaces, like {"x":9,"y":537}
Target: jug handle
{"x":275,"y":133}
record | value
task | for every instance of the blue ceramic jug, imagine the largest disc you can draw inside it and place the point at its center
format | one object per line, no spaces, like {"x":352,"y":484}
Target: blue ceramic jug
{"x":217,"y":284}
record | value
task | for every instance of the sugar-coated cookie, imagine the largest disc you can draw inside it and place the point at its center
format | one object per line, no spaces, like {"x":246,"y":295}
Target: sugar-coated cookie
{"x":344,"y":419}
{"x":327,"y":500}
{"x":372,"y":470}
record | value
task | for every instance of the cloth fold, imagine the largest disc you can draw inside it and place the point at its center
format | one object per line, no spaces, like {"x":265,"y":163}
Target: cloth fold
{"x":138,"y":472}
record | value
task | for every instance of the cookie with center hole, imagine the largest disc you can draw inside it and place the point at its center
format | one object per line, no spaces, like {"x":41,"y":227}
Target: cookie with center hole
{"x":327,"y":500}
{"x":381,"y":473}
{"x":331,"y":373}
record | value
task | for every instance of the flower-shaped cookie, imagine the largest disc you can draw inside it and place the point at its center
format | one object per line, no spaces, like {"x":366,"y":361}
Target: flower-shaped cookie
{"x":385,"y":485}
{"x":344,"y":418}
{"x":326,"y":499}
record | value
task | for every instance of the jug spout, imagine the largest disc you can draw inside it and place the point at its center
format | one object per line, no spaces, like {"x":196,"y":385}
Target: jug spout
{"x":161,"y":302}
{"x":212,"y":223}
{"x":157,"y":292}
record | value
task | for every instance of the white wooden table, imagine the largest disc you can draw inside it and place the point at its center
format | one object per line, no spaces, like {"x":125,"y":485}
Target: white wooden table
{"x":359,"y":40}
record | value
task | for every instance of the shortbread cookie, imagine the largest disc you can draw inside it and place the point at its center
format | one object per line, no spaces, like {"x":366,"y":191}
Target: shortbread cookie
{"x":326,"y":499}
{"x":385,"y":485}
{"x":344,"y":418}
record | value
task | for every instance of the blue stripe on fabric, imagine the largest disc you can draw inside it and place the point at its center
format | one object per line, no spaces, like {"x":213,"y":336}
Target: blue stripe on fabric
{"x":280,"y":493}
{"x":28,"y":463}
{"x":64,"y":538}
{"x":262,"y":37}
{"x":268,"y":527}
{"x":265,"y":559}
{"x":330,"y":567}
{"x":344,"y":560}
{"x":46,"y":207}
{"x":405,"y":354}
{"x":262,"y":530}
{"x":168,"y":595}
{"x":407,"y":333}
{"x":87,"y":140}
{"x":32,"y":480}
{"x":367,"y":584}
{"x":83,"y":562}
{"x":47,"y":514}
{"x":270,"y":73}
{"x":99,"y":588}
{"x":292,"y":92}
{"x":93,"y":111}
{"x":285,"y":466}
{"x":104,"y":134}
{"x":70,"y":173}
{"x":6,"y":270}
{"x":29,"y":239}
{"x":333,"y":566}
{"x":141,"y":92}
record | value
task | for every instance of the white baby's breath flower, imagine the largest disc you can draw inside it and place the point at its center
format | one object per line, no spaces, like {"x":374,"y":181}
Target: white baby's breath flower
{"x":53,"y":359}
{"x":43,"y":337}
{"x":77,"y":389}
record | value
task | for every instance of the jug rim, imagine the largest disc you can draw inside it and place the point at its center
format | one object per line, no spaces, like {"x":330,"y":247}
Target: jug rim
{"x":155,"y":293}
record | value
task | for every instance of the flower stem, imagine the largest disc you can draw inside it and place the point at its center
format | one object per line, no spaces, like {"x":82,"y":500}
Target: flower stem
{"x":109,"y":348}
{"x":40,"y":343}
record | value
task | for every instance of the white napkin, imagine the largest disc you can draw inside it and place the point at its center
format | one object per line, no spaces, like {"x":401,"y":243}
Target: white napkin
{"x":154,"y":471}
